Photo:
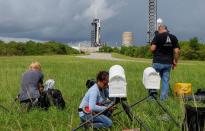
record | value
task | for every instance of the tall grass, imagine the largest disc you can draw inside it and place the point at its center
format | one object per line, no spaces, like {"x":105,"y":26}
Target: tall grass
{"x":70,"y":74}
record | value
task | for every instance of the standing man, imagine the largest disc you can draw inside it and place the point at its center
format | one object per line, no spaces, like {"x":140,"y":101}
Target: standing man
{"x":165,"y":49}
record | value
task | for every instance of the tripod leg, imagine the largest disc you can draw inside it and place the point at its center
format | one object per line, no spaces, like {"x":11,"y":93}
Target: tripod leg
{"x":142,"y":124}
{"x":166,"y":111}
{"x":128,"y":111}
{"x":132,"y":105}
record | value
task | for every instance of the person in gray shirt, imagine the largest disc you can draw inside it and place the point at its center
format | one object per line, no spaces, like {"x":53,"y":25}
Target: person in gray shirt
{"x":31,"y":85}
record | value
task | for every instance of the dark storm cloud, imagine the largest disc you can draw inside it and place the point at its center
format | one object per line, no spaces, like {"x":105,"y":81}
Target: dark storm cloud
{"x":69,"y":20}
{"x":52,"y":19}
{"x":185,"y":18}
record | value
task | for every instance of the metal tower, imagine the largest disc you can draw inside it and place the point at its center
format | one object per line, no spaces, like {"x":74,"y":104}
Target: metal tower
{"x":95,"y":33}
{"x":152,"y":20}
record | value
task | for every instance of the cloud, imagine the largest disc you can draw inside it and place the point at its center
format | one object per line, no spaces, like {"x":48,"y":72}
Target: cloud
{"x":53,"y":19}
{"x":69,"y":20}
{"x":99,"y":9}
{"x":184,"y":18}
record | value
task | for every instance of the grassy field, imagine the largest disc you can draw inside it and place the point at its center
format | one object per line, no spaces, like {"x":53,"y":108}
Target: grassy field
{"x":70,"y":74}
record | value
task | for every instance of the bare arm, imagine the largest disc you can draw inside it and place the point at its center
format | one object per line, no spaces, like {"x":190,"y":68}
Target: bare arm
{"x":176,"y":55}
{"x":153,"y":47}
{"x":40,"y":87}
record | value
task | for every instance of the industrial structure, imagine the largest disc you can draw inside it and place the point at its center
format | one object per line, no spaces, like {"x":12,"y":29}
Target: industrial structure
{"x":95,"y":33}
{"x":152,"y":20}
{"x":127,"y":39}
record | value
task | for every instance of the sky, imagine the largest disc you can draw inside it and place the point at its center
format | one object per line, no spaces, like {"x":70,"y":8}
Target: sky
{"x":69,"y":21}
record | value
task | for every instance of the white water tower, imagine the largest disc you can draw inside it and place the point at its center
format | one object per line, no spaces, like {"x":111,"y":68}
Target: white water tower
{"x":127,"y":39}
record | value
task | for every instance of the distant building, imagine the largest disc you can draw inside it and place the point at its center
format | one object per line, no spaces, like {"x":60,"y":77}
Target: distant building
{"x":127,"y":39}
{"x":95,"y":33}
{"x":85,"y":47}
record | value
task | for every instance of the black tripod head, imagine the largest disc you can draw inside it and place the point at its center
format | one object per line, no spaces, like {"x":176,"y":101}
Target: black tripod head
{"x":153,"y":93}
{"x":126,"y":108}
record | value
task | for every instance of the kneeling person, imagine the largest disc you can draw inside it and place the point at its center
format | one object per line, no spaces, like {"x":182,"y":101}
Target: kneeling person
{"x":31,"y":86}
{"x":92,"y":102}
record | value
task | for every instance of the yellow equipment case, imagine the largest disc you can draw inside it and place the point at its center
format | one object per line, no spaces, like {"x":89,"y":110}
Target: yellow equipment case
{"x":181,"y":89}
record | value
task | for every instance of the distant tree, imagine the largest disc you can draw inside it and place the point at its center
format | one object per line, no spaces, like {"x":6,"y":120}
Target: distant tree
{"x":194,"y":43}
{"x":190,"y":50}
{"x":35,"y":48}
{"x":105,"y":48}
{"x":116,"y":50}
{"x":3,"y":49}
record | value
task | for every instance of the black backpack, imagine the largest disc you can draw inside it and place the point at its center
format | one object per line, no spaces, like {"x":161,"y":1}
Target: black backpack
{"x":55,"y":98}
{"x":89,"y":83}
{"x":194,"y":116}
{"x":200,"y":92}
{"x":194,"y":119}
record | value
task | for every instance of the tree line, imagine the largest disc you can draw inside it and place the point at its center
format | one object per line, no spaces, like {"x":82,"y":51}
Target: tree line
{"x":190,"y":50}
{"x":35,"y":48}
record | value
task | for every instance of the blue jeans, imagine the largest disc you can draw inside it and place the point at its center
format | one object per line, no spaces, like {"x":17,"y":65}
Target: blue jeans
{"x":164,"y":71}
{"x":99,"y":121}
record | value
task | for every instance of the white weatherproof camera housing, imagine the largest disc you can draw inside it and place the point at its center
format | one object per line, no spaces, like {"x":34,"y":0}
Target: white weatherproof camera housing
{"x":117,"y":82}
{"x":151,"y":79}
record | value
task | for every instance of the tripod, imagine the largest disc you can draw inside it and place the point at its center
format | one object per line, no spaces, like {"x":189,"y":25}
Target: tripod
{"x":153,"y":93}
{"x":126,"y":109}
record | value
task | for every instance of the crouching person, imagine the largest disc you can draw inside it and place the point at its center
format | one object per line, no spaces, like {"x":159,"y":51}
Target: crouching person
{"x":93,"y":100}
{"x":31,"y":87}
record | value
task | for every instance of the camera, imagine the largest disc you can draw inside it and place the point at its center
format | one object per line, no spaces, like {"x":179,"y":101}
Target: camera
{"x":117,"y":82}
{"x":151,"y":80}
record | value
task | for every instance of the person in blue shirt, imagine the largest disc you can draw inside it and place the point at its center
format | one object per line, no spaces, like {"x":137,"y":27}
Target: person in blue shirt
{"x":93,"y":102}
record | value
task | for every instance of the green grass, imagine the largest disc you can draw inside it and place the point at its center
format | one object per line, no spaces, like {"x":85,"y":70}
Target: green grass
{"x":70,"y":74}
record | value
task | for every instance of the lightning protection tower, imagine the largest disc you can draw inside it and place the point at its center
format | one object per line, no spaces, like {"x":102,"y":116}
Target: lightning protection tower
{"x":152,"y":19}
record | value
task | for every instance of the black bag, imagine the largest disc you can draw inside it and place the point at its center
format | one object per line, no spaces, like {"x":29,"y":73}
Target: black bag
{"x":194,"y":118}
{"x":55,"y":98}
{"x":90,"y":83}
{"x":43,"y":101}
{"x":200,"y":92}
